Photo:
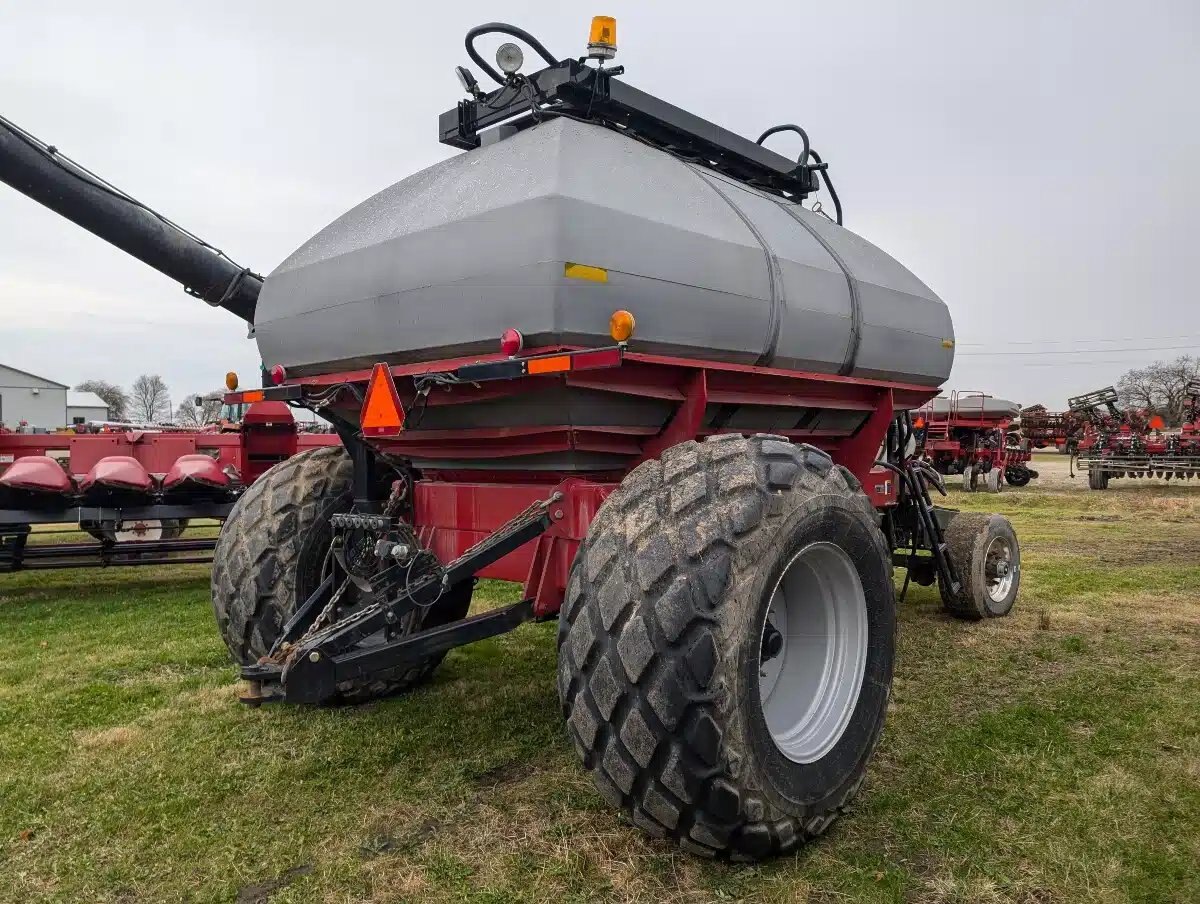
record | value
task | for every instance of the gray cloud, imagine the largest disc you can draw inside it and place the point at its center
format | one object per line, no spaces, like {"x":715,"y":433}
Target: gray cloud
{"x":1034,"y":163}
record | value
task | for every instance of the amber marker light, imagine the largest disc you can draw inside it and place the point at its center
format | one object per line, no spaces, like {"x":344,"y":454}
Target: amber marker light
{"x":621,"y":326}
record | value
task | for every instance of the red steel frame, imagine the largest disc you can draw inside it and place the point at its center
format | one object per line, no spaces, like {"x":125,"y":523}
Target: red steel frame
{"x":268,"y":435}
{"x":454,"y":510}
{"x":1042,"y":428}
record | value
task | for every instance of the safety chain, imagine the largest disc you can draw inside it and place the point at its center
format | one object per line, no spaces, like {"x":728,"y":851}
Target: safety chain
{"x":289,"y":649}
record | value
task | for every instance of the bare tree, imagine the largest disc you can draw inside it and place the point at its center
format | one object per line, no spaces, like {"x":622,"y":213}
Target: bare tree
{"x":1160,"y":387}
{"x":114,"y":397}
{"x":189,"y":414}
{"x":149,"y":400}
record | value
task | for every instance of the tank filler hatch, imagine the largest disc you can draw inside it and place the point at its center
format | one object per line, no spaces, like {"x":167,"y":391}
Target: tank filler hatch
{"x":573,"y":89}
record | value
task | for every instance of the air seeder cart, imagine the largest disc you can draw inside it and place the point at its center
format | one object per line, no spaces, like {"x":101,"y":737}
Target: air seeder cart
{"x":710,"y":500}
{"x":969,"y":434}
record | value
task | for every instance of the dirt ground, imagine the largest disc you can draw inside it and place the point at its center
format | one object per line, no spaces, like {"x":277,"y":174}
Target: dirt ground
{"x":1054,"y":474}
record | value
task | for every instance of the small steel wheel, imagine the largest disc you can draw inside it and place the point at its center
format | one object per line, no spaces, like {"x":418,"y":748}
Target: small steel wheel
{"x":986,"y":557}
{"x":142,"y":530}
{"x":1017,"y":475}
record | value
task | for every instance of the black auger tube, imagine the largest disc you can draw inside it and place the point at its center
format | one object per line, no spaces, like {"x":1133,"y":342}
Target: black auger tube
{"x":41,"y":173}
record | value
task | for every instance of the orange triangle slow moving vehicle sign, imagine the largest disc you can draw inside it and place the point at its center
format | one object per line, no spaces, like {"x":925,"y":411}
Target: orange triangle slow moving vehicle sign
{"x":382,"y":413}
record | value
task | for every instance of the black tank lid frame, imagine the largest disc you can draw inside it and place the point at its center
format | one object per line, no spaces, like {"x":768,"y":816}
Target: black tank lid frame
{"x":575,"y":90}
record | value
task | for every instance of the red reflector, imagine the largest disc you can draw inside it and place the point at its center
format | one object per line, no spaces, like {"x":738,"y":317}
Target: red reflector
{"x":511,"y":342}
{"x":254,"y":395}
{"x":382,"y":413}
{"x":278,"y":374}
{"x":605,"y":357}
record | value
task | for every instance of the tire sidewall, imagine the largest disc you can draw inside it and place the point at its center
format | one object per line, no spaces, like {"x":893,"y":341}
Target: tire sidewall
{"x":797,"y":788}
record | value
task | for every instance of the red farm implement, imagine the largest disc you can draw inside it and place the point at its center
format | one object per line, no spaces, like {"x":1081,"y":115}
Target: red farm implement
{"x":711,"y":509}
{"x":969,"y":434}
{"x":455,"y":507}
{"x":1134,"y":443}
{"x":1043,"y":429}
{"x":133,"y":490}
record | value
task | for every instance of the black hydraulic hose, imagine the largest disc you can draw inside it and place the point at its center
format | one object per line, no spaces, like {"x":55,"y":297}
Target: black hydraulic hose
{"x":837,"y":204}
{"x":38,"y":170}
{"x":504,"y":29}
{"x":802,"y":160}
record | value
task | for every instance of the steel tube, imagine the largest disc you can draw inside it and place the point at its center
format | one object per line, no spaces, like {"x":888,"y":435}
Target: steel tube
{"x":53,"y":181}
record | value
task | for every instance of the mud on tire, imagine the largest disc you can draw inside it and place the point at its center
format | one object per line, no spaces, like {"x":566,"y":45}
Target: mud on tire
{"x":270,"y":553}
{"x":974,"y":542}
{"x":661,"y":633}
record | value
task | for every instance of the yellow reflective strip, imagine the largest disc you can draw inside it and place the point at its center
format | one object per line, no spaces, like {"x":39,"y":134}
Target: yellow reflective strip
{"x":583,"y":271}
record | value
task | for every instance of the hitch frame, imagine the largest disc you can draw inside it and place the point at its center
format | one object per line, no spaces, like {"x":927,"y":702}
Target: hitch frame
{"x":307,"y":664}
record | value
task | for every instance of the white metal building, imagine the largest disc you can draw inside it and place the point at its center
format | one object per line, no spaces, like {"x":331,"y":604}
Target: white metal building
{"x":85,"y":406}
{"x":35,"y":400}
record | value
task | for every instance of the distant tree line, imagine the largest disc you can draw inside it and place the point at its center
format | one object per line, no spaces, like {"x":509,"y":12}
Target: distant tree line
{"x":1160,"y":387}
{"x":148,"y":401}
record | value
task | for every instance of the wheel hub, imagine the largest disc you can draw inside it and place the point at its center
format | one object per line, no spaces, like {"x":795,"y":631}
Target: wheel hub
{"x":772,"y":642}
{"x":813,"y":652}
{"x":999,"y":569}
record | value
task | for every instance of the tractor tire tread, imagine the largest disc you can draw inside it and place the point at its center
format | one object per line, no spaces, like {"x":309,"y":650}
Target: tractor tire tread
{"x":642,"y":646}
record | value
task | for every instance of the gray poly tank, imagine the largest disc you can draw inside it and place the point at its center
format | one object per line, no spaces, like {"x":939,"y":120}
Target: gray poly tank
{"x":975,"y":405}
{"x":441,"y":263}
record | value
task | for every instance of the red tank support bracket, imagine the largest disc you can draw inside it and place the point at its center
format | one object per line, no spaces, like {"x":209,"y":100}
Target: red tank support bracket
{"x":452,"y":517}
{"x":687,"y":421}
{"x":858,"y":452}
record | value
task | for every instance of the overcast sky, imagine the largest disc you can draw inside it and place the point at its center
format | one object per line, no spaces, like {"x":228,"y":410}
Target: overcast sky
{"x":1035,"y":163}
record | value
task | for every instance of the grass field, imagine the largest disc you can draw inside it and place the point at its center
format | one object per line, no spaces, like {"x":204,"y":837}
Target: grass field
{"x":1052,"y":756}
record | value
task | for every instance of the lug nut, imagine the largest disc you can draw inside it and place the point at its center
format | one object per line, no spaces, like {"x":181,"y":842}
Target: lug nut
{"x":314,"y":656}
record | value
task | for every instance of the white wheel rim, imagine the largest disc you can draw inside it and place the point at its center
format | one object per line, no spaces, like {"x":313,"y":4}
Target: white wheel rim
{"x":138,"y":531}
{"x":999,"y":569}
{"x":809,"y":689}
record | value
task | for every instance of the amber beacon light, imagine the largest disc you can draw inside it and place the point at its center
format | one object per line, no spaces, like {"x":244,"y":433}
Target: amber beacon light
{"x":602,"y":40}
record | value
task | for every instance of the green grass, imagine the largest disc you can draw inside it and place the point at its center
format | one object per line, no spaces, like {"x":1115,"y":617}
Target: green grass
{"x":1051,"y":756}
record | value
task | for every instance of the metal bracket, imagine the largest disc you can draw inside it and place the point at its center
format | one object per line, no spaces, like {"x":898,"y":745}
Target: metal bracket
{"x":316,"y":665}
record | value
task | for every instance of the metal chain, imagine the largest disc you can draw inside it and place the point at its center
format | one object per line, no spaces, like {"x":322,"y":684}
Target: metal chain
{"x":326,"y":611}
{"x":395,"y":499}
